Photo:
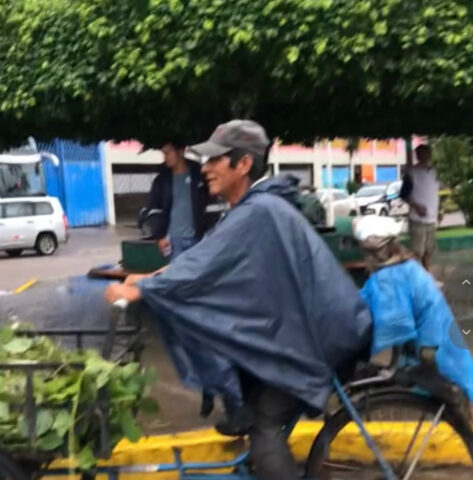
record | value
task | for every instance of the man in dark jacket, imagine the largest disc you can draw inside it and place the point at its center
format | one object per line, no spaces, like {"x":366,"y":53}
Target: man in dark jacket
{"x":262,"y":310}
{"x":180,"y":209}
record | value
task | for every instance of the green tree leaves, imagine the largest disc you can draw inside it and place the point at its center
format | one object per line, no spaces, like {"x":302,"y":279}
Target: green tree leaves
{"x":453,"y":158}
{"x":150,"y":69}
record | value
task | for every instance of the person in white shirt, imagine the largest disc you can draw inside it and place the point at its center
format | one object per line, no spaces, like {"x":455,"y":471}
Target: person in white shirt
{"x":420,"y":190}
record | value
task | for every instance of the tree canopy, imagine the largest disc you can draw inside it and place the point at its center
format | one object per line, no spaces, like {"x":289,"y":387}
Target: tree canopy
{"x":150,"y":69}
{"x":453,"y":158}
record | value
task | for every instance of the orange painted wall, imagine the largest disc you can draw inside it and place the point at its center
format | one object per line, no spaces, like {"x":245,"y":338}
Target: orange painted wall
{"x":367,"y":173}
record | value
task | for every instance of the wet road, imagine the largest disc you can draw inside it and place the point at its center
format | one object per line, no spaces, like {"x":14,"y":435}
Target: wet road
{"x":87,"y":247}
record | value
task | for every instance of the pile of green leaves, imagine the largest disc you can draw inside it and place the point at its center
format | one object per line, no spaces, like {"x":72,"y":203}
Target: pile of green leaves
{"x":67,"y":398}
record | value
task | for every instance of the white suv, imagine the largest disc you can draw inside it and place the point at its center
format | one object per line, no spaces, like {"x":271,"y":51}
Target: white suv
{"x":31,"y":223}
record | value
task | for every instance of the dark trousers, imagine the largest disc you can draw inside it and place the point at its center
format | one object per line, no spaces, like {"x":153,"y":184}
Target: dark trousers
{"x":273,"y":409}
{"x":181,"y":244}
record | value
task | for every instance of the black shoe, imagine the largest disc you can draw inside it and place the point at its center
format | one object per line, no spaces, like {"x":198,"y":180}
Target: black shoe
{"x":207,"y":405}
{"x":236,"y":425}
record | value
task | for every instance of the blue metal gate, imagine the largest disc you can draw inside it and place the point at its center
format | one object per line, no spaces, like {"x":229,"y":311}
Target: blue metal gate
{"x":78,"y":181}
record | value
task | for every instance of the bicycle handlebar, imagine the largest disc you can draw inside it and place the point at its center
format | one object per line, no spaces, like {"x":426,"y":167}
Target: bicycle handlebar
{"x":121,"y":304}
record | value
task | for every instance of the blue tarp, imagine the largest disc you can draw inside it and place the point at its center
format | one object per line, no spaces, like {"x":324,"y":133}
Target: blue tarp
{"x":406,"y":305}
{"x":261,"y":292}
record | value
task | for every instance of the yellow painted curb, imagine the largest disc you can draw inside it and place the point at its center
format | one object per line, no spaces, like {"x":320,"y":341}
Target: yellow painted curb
{"x":25,"y":286}
{"x":444,"y":448}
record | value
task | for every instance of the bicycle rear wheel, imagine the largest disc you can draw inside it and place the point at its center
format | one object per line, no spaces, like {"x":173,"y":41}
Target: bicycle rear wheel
{"x":403,"y":427}
{"x":9,"y":470}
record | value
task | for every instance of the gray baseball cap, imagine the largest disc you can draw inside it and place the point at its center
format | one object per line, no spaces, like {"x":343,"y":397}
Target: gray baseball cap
{"x":242,"y":134}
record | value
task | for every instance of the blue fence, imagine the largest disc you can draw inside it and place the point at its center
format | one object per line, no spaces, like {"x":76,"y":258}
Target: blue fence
{"x":78,"y":181}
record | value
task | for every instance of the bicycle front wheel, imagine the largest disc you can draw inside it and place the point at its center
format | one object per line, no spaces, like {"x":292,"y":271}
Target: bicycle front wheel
{"x":419,"y":438}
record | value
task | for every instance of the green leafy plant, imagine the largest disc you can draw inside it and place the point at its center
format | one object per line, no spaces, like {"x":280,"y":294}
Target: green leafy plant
{"x":352,"y":186}
{"x":464,"y":199}
{"x":453,"y":159}
{"x":352,"y":146}
{"x":147,"y":69}
{"x":69,"y":400}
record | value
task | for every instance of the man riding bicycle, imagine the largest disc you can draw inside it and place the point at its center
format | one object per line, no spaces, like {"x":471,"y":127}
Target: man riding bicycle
{"x":259,"y":311}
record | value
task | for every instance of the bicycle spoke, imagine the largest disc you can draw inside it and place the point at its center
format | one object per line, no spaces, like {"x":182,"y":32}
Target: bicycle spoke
{"x":425,"y":441}
{"x":411,"y":443}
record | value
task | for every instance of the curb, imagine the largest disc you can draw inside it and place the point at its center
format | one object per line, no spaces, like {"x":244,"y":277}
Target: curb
{"x":208,"y":446}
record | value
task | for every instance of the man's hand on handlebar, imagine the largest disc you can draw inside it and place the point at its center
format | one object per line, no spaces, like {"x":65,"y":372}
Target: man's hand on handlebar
{"x":117,"y":292}
{"x":128,"y":289}
{"x":132,"y":279}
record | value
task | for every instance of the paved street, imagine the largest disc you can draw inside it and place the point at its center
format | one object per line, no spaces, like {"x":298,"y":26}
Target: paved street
{"x":453,"y":219}
{"x":86,"y":248}
{"x":449,"y":220}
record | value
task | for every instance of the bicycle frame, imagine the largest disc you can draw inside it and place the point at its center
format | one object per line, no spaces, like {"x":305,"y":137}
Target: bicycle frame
{"x":112,"y":473}
{"x":239,"y":464}
{"x":348,"y":405}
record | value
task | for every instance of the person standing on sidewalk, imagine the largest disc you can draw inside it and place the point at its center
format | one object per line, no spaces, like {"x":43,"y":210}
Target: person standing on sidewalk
{"x":420,"y":189}
{"x":180,"y":209}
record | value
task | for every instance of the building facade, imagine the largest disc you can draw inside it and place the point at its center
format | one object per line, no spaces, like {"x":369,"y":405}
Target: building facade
{"x":129,"y":172}
{"x":373,"y":162}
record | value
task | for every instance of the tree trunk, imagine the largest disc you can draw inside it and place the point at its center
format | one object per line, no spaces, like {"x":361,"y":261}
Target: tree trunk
{"x":409,"y":152}
{"x":351,"y":166}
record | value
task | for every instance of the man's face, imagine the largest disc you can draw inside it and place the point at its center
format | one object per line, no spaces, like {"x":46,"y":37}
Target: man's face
{"x":171,"y":154}
{"x":222,"y":179}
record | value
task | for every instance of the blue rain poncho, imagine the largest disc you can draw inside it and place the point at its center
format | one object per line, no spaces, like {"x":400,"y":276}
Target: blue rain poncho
{"x":262,"y":292}
{"x":406,"y":305}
